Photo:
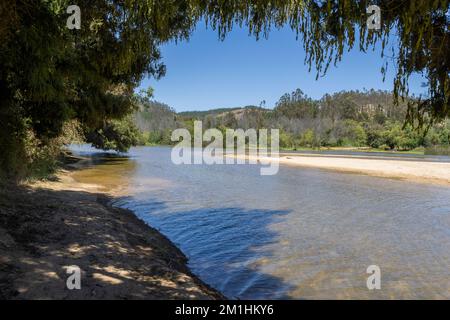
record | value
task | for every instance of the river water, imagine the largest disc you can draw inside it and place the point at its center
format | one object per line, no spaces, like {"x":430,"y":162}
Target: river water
{"x":301,"y":234}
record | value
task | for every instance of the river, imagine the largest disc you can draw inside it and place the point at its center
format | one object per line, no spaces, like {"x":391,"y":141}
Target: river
{"x":303,"y":233}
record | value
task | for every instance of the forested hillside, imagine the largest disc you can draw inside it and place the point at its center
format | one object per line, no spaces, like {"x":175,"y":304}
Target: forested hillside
{"x":343,"y":119}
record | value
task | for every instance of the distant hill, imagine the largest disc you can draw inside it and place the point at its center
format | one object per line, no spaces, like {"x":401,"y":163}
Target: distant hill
{"x":368,"y":118}
{"x":215,"y":112}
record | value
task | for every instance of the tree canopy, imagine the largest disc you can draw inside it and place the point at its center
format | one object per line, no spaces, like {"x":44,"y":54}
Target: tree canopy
{"x":50,"y":74}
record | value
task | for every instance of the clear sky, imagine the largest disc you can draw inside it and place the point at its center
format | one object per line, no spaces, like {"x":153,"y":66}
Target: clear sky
{"x":206,"y":73}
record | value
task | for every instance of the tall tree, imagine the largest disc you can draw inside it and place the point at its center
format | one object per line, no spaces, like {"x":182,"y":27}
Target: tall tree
{"x":50,"y":74}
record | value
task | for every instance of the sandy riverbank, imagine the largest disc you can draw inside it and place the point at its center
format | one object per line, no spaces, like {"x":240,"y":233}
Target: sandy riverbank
{"x":419,"y":171}
{"x":46,"y":227}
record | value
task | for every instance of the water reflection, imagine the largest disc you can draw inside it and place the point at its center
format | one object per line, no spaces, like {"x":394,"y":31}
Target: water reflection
{"x":109,"y":171}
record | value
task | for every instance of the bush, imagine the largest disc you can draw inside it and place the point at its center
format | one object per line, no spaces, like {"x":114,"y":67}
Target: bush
{"x":286,"y":140}
{"x":438,"y":150}
{"x":308,"y":138}
{"x":29,"y":157}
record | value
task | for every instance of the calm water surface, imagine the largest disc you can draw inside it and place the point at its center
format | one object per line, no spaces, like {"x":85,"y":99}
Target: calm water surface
{"x":301,"y":234}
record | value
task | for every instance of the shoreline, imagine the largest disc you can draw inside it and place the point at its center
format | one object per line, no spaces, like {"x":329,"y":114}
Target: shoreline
{"x":417,"y":171}
{"x":47,"y":226}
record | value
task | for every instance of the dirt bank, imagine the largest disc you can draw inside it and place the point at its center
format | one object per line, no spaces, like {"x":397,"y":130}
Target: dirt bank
{"x":46,"y":227}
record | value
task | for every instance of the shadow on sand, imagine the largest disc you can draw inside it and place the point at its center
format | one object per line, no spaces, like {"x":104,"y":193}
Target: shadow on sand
{"x":42,"y":232}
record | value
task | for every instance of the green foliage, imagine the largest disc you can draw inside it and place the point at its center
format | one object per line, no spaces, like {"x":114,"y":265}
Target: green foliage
{"x":155,"y":120}
{"x":374,"y":137}
{"x":308,"y":138}
{"x":344,"y":119}
{"x":438,"y":150}
{"x":351,"y":133}
{"x":286,"y":140}
{"x":296,"y":105}
{"x":50,"y":75}
{"x":28,"y":156}
{"x":118,"y":135}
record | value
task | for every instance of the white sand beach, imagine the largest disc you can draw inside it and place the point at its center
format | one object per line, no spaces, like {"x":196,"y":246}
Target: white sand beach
{"x":421,"y":171}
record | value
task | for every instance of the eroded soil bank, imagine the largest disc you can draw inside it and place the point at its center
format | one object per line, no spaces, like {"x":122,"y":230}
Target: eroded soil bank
{"x":47,"y":227}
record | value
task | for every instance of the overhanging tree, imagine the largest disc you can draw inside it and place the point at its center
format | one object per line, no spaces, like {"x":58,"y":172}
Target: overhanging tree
{"x":50,"y":74}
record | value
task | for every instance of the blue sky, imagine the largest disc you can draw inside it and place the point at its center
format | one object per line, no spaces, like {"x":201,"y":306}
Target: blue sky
{"x":206,"y":73}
